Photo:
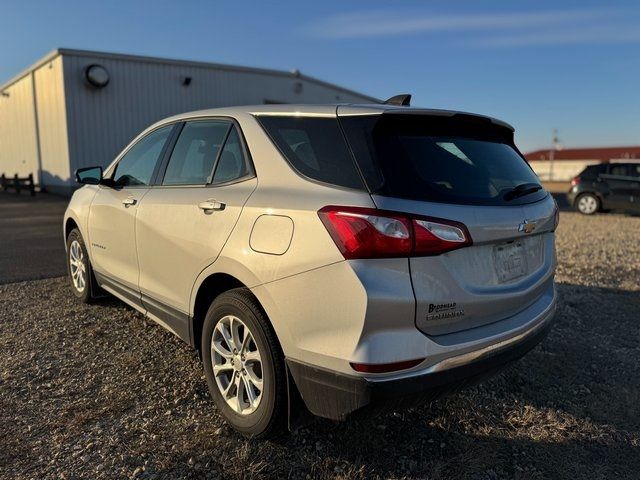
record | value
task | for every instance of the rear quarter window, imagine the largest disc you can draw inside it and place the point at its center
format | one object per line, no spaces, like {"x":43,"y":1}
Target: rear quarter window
{"x":315,"y":148}
{"x":593,"y":171}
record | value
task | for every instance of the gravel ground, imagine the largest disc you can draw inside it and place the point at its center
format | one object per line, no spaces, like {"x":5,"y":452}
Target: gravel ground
{"x":98,"y":392}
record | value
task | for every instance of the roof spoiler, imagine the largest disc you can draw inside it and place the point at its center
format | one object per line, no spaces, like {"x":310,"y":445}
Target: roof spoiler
{"x":404,"y":100}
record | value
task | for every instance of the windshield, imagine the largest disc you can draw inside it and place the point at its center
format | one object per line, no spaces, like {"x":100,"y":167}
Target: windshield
{"x":439,"y":159}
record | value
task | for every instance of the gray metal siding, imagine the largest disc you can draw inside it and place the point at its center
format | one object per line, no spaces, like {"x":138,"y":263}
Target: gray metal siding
{"x":102,"y":122}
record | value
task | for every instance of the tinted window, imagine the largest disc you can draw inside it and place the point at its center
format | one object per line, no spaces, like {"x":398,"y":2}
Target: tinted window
{"x":138,"y":164}
{"x":634,"y":170}
{"x":618,"y":170}
{"x":439,"y":159}
{"x":231,"y":164}
{"x":315,"y":147}
{"x":592,"y":171}
{"x":195,"y":153}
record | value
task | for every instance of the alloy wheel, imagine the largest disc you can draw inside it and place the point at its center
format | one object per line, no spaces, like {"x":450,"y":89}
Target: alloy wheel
{"x":77,"y":266}
{"x":237,"y":365}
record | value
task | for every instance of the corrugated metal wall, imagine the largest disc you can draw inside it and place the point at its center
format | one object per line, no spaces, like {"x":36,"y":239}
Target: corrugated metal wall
{"x":52,"y":122}
{"x":18,"y":150}
{"x":19,"y":126}
{"x":78,"y":125}
{"x":102,"y":121}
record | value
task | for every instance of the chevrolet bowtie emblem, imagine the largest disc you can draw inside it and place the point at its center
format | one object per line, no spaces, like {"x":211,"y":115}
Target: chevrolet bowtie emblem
{"x":527,"y":226}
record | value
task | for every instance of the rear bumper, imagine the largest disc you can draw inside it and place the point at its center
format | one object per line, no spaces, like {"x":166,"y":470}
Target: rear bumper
{"x":335,"y":395}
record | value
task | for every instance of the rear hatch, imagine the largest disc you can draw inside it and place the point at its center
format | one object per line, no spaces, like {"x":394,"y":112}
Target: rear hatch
{"x":465,"y":169}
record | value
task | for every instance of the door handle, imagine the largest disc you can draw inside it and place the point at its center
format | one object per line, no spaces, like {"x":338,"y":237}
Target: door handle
{"x":127,"y":202}
{"x":210,"y":205}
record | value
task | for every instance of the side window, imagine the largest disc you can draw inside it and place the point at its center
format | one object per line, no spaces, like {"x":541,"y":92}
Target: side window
{"x":195,"y":153}
{"x":137,"y":166}
{"x":314,"y":147}
{"x":634,"y":170}
{"x":232,"y":164}
{"x":593,"y":171}
{"x":618,"y":170}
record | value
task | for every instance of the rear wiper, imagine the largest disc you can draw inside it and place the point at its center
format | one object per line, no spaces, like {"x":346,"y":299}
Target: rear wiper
{"x":522,"y":190}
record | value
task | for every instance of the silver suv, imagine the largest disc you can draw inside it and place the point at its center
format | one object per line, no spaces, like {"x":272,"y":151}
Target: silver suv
{"x":350,"y":256}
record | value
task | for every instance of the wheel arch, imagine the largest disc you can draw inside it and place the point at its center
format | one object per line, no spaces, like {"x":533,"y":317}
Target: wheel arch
{"x":223,"y":275}
{"x":69,"y":224}
{"x":210,"y":288}
{"x":593,"y":192}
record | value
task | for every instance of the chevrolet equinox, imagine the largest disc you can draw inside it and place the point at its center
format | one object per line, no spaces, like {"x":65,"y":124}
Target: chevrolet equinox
{"x":350,"y":256}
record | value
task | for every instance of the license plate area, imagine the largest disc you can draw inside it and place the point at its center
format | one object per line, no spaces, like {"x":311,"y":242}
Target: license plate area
{"x":509,"y":261}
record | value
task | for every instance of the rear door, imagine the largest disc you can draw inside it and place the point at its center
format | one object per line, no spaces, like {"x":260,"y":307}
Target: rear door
{"x":620,"y":185}
{"x":463,"y":169}
{"x":114,"y":209}
{"x":185,"y":220}
{"x":634,"y":173}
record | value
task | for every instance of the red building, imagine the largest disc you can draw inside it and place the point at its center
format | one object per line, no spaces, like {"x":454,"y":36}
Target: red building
{"x":571,"y":161}
{"x":603,"y":154}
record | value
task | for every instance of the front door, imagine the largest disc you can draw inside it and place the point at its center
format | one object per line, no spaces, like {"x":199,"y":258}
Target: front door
{"x":183,"y":223}
{"x":113,"y":212}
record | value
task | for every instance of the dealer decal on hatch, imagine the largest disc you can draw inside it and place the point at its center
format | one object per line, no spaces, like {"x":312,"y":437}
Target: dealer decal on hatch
{"x":443,"y":311}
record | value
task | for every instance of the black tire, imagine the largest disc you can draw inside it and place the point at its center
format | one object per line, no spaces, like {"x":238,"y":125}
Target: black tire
{"x":91,"y":290}
{"x":269,"y":418}
{"x":585,"y":204}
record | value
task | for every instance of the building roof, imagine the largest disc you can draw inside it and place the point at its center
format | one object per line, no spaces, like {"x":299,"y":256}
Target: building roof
{"x":188,"y":63}
{"x":603,"y":154}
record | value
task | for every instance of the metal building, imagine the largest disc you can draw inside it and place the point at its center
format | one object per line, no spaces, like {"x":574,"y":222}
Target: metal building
{"x":77,"y":108}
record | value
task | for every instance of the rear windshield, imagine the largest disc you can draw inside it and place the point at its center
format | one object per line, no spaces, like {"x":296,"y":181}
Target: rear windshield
{"x":439,"y":159}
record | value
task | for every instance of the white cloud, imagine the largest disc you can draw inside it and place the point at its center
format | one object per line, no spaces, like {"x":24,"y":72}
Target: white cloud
{"x":578,"y":36}
{"x":373,"y":24}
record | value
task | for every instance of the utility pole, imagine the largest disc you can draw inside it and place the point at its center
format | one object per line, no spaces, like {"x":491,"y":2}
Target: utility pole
{"x":555,"y":145}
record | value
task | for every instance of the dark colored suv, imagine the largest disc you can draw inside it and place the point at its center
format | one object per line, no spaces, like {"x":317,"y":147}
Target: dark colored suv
{"x":606,"y":186}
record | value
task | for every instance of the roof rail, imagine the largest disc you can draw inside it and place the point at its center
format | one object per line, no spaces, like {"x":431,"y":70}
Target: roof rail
{"x":403,"y":100}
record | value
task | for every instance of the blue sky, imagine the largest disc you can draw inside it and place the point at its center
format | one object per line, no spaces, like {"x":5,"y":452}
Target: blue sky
{"x":572,"y":65}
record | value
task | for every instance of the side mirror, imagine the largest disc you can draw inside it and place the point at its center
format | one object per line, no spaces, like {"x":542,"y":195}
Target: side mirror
{"x":89,"y":175}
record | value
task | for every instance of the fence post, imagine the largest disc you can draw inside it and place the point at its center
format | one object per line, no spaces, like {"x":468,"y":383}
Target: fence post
{"x":32,"y":187}
{"x":16,"y":183}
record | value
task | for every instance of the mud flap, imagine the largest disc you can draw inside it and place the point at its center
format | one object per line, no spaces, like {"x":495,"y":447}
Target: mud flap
{"x":298,"y":415}
{"x":328,"y":394}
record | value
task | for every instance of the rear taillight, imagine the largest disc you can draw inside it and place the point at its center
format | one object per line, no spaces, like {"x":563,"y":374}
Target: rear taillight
{"x":435,"y":237}
{"x":370,"y":233}
{"x":575,"y":181}
{"x":366,"y":232}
